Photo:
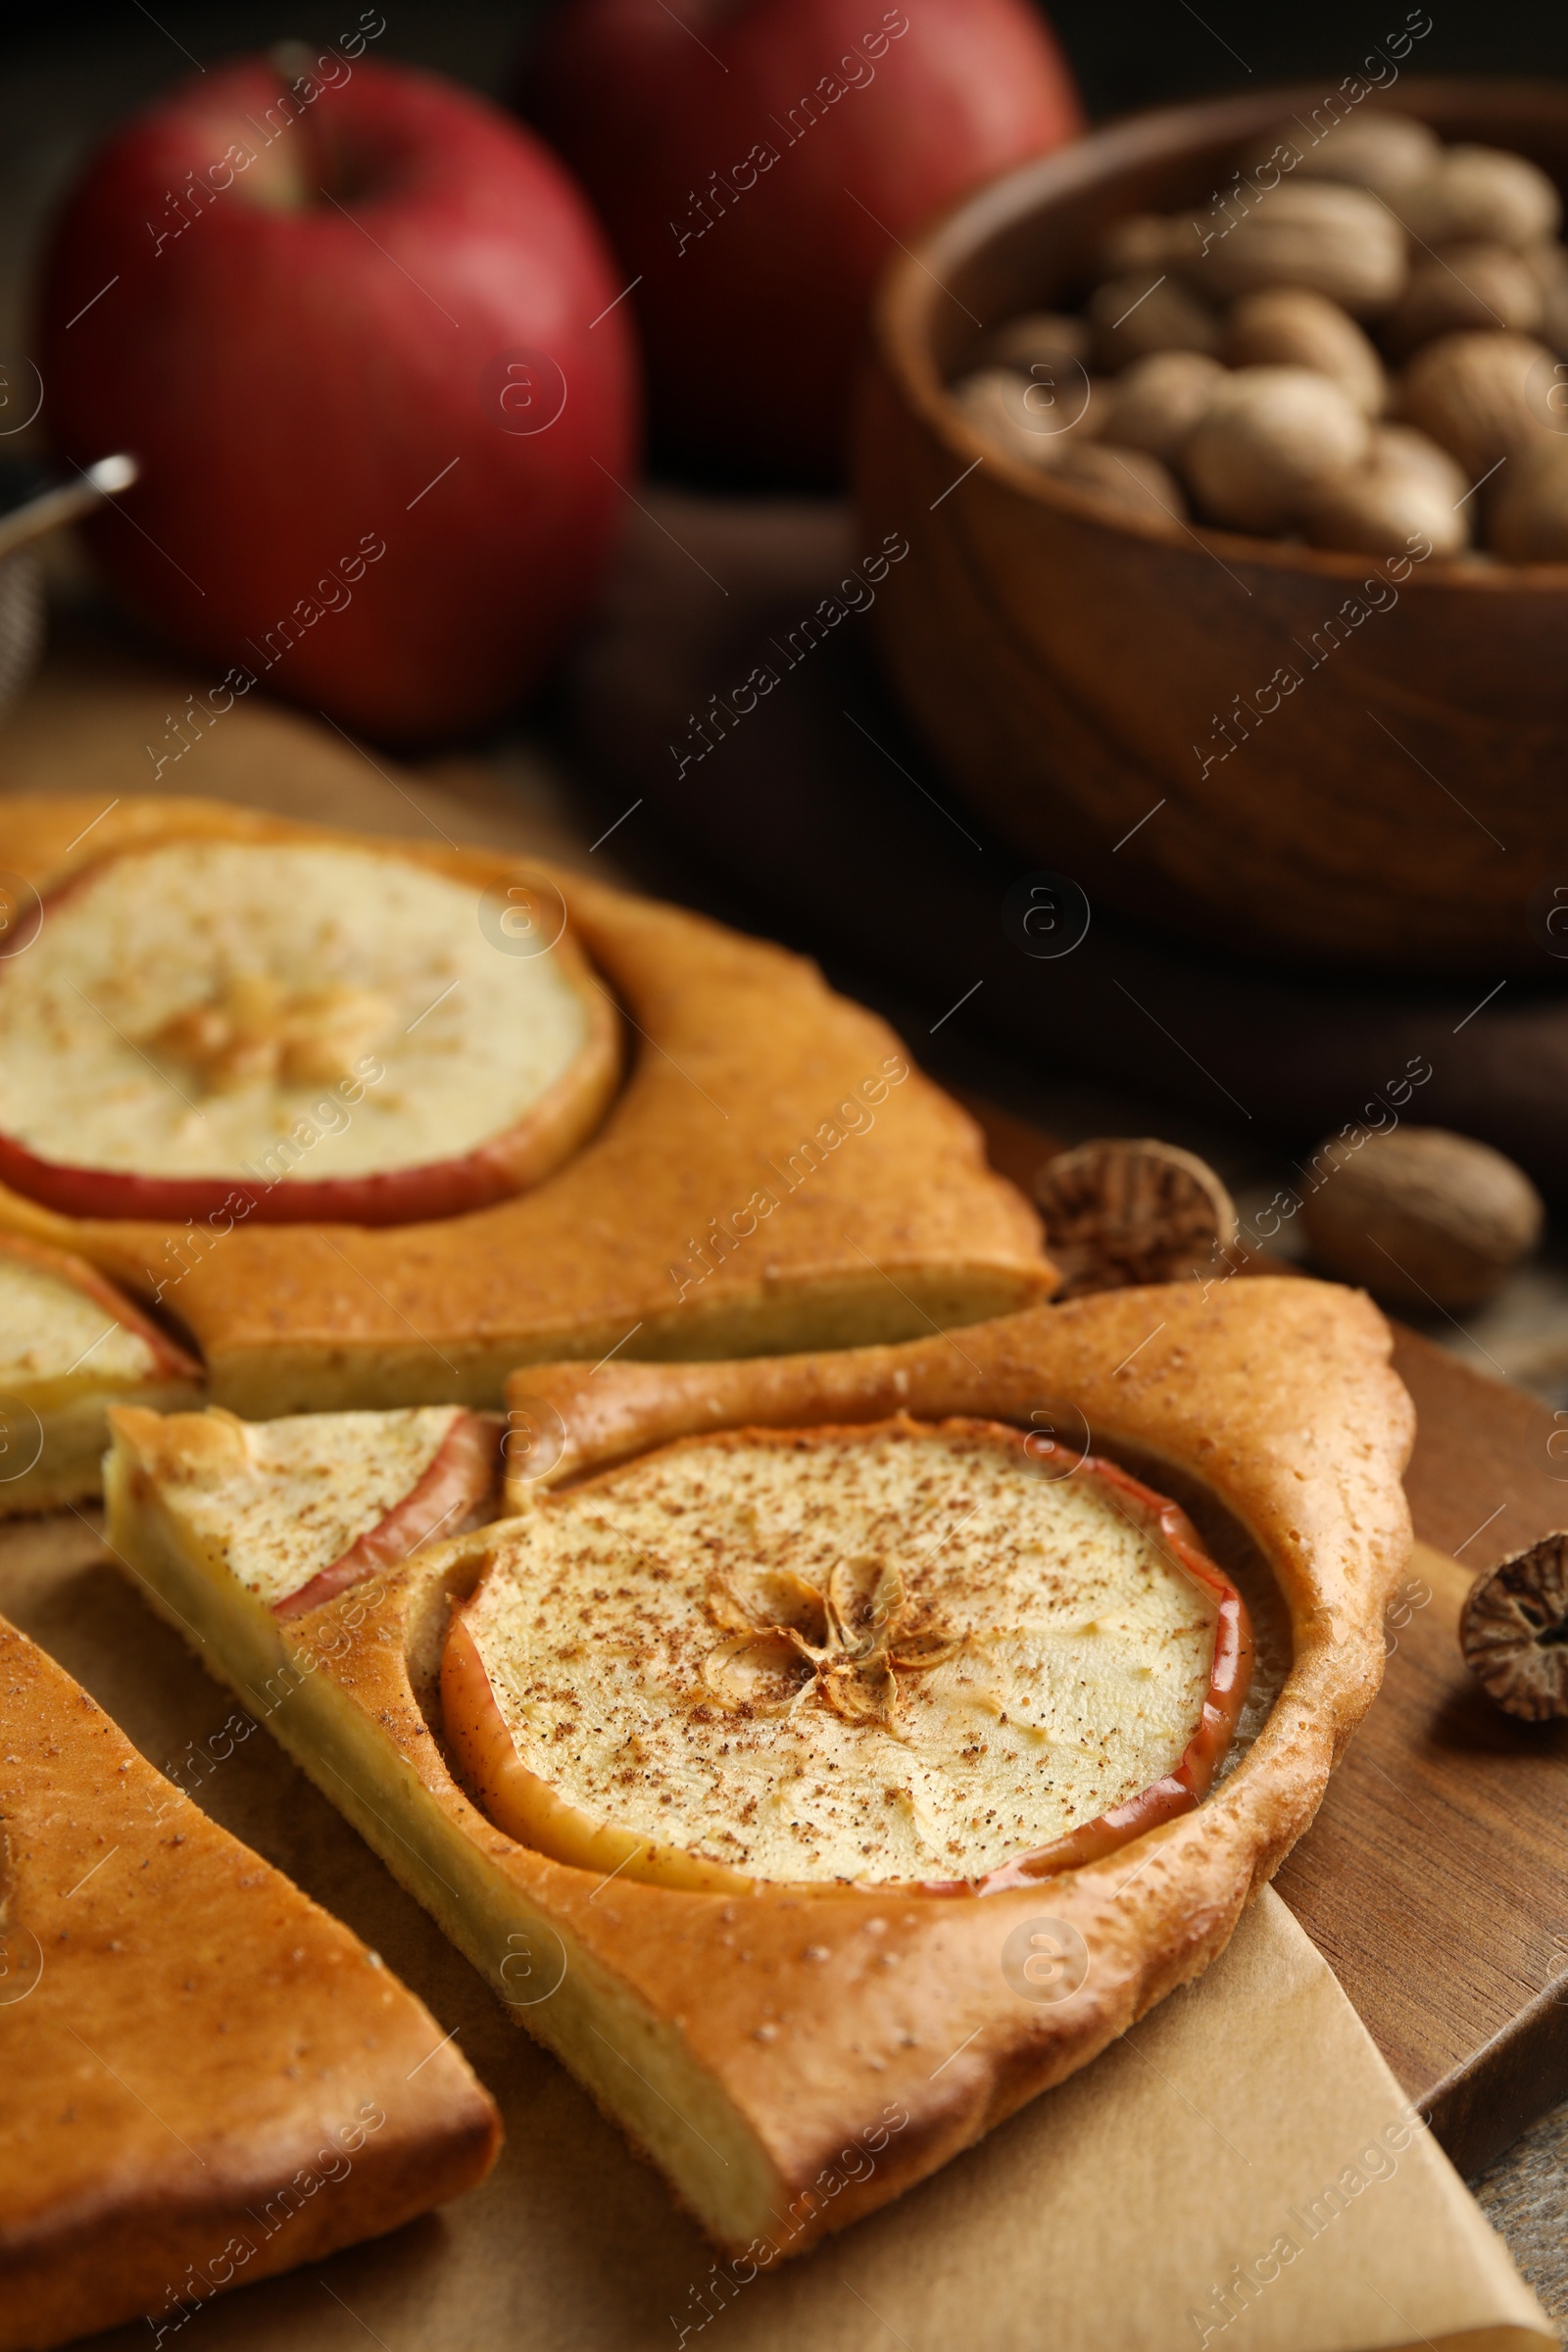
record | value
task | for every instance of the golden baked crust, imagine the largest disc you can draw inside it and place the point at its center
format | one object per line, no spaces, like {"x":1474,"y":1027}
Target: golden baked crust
{"x":747,"y":2043}
{"x":750,"y":1079}
{"x":154,"y":1963}
{"x":55,"y":1424}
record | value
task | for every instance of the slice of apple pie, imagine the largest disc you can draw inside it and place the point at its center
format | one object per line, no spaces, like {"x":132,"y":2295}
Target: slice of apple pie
{"x":834,"y":1737}
{"x":206,"y":2078}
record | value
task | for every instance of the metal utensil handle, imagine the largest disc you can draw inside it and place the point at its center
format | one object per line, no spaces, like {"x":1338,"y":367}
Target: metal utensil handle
{"x":52,"y":508}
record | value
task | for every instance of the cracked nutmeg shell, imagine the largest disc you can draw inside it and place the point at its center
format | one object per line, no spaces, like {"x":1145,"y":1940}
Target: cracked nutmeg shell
{"x":1118,"y":1212}
{"x":1513,"y":1630}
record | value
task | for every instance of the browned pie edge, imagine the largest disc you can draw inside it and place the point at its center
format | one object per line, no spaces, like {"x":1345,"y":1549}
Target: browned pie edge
{"x":828,"y":2050}
{"x":193,"y":2081}
{"x":743,"y":1066}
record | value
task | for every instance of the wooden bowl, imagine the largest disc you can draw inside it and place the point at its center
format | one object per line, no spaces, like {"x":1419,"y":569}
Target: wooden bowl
{"x":1406,"y":805}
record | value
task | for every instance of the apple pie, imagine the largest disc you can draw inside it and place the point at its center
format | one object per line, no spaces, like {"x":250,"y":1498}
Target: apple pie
{"x":71,"y":1346}
{"x":376,"y":1122}
{"x":206,"y":2078}
{"x":838,"y":1738}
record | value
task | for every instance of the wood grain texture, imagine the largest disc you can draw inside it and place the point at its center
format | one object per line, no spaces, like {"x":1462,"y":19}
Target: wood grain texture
{"x":1435,"y":1878}
{"x":1064,"y":661}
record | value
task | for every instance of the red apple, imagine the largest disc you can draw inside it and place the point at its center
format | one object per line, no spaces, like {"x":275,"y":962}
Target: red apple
{"x":349,"y":319}
{"x":756,"y":161}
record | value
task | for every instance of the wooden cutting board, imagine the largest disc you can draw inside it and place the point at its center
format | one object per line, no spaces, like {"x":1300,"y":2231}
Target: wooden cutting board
{"x":1435,"y":1878}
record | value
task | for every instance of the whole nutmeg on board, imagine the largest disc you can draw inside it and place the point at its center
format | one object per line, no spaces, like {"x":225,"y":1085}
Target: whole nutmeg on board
{"x":1476,"y":395}
{"x":1476,"y":285}
{"x":1407,"y":486}
{"x":1154,"y":404}
{"x":1422,"y":1218}
{"x":1132,"y":316}
{"x":1527,"y":510}
{"x":1482,"y":192}
{"x":1121,"y":1211}
{"x":1289,"y":326}
{"x":1513,"y":1631}
{"x":1267,"y":439}
{"x":1374,"y":148}
{"x":1333,"y":240}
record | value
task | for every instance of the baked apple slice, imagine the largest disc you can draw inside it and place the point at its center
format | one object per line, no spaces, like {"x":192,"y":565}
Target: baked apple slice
{"x":899,"y":1654}
{"x":71,"y":1346}
{"x":293,"y":1030}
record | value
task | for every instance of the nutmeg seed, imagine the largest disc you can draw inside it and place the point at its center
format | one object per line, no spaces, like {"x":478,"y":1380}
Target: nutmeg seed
{"x":1371,"y":149}
{"x":1287,"y":326}
{"x":1553,"y":273}
{"x":996,"y":402}
{"x":1422,"y":1218}
{"x":1268,"y":437}
{"x":1475,"y":285}
{"x":1044,"y":336}
{"x":1408,"y":487}
{"x":1526,"y":517}
{"x":1132,"y":317}
{"x":1154,"y":404}
{"x":1332,"y":240}
{"x":1482,"y":192}
{"x":1473,"y":394}
{"x":1128,"y":479}
{"x":1513,"y":1630}
{"x":1119,"y":1212}
{"x":1145,"y":242}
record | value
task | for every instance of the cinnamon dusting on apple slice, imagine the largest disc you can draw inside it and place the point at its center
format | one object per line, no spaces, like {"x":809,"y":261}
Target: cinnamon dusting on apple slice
{"x":457,"y":1485}
{"x":929,"y":1654}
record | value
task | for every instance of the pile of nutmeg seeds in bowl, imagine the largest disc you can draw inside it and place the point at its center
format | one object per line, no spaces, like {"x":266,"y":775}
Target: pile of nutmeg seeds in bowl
{"x":1363,"y":345}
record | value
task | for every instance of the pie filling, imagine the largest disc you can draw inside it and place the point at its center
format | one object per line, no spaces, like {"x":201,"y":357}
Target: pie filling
{"x":902,"y":1652}
{"x":210,"y":1023}
{"x":300,"y":1509}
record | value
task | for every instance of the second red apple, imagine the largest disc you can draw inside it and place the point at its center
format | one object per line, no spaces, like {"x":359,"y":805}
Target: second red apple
{"x":756,"y":161}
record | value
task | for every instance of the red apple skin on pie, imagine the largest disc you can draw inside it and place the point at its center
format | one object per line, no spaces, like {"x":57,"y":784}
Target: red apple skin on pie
{"x":439,"y":1188}
{"x":460,"y":1480}
{"x":528,"y":1809}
